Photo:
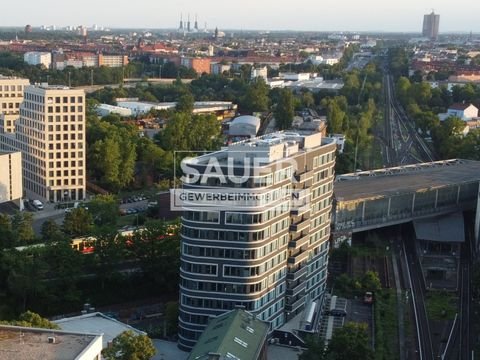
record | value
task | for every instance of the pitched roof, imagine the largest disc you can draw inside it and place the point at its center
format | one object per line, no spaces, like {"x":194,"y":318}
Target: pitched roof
{"x":237,"y":334}
{"x":459,"y":106}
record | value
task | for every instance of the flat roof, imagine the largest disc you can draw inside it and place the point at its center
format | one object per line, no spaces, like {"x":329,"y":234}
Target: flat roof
{"x":96,"y":323}
{"x":406,"y":179}
{"x":22,"y":343}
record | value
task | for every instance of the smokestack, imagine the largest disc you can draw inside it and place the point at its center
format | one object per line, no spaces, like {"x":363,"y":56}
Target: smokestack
{"x":188,"y":23}
{"x":181,"y":21}
{"x":196,"y":22}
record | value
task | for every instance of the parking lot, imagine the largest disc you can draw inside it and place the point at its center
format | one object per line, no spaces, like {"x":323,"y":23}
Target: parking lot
{"x":359,"y":312}
{"x":135,"y":204}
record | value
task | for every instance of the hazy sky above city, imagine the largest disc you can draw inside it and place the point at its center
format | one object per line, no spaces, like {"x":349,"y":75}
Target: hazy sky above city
{"x":316,"y":15}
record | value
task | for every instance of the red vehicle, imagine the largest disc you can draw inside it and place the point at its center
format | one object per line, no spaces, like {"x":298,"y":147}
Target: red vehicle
{"x":368,"y":298}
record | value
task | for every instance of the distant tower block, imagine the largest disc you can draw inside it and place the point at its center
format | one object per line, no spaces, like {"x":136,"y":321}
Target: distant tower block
{"x":431,"y":24}
{"x":181,"y":22}
{"x":196,"y":22}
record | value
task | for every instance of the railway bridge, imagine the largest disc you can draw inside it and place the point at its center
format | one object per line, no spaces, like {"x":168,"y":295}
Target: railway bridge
{"x":379,"y":198}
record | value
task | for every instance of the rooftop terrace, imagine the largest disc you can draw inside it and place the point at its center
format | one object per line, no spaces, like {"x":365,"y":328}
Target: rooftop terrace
{"x":20,"y":343}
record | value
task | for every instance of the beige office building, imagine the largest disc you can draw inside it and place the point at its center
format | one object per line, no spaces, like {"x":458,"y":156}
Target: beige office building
{"x":11,"y":96}
{"x":50,"y":133}
{"x":11,"y":177}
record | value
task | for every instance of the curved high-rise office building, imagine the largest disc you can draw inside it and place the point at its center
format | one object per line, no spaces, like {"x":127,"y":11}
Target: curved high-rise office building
{"x":255,"y":229}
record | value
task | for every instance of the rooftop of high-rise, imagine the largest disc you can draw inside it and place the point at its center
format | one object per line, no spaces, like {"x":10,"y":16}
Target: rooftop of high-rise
{"x":267,"y":148}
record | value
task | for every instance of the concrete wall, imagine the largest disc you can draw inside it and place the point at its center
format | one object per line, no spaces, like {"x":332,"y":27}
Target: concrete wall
{"x":93,"y":351}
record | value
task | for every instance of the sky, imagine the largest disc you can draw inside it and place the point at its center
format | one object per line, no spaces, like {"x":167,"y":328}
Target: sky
{"x":308,"y":15}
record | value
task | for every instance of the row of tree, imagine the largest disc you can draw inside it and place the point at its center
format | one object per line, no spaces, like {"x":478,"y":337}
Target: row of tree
{"x":56,"y":278}
{"x":354,"y":113}
{"x":347,"y":343}
{"x":423,"y":104}
{"x":13,"y":64}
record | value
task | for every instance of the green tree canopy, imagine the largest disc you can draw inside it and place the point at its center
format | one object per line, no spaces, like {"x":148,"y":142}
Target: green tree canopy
{"x":190,"y":132}
{"x":185,"y":103}
{"x":78,"y":222}
{"x":51,"y":231}
{"x":284,"y":110}
{"x":129,"y":346}
{"x":347,"y":343}
{"x":22,"y":226}
{"x":256,"y":97}
{"x":31,"y":319}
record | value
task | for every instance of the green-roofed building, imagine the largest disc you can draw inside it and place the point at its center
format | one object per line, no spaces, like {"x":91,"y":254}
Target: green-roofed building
{"x":235,"y":335}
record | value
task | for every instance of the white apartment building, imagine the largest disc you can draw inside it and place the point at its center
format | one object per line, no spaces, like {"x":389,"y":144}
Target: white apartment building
{"x":259,"y":72}
{"x":50,"y":133}
{"x":11,"y":96}
{"x":38,"y":58}
{"x":11,"y":177}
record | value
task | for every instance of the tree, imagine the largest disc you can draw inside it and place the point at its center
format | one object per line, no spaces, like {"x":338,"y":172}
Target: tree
{"x":350,"y":342}
{"x":256,"y":97}
{"x":129,"y":346}
{"x":308,"y":100}
{"x":109,"y":252}
{"x":26,"y":275}
{"x":63,"y":274}
{"x":191,"y":133}
{"x":104,"y":210}
{"x":111,"y":151}
{"x":22,"y":225}
{"x":421,"y":92}
{"x":153,"y":161}
{"x":315,"y":349}
{"x":105,"y":156}
{"x":6,"y":233}
{"x":284,"y":110}
{"x":336,"y":117}
{"x":370,"y":281}
{"x":186,"y":103}
{"x":403,"y":89}
{"x":31,"y":319}
{"x":171,"y":317}
{"x":446,"y":137}
{"x":51,"y":231}
{"x":157,"y":250}
{"x":77,"y":222}
{"x":347,"y":343}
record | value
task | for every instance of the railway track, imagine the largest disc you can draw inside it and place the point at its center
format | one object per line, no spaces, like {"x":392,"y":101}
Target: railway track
{"x":402,"y":144}
{"x":414,"y":275}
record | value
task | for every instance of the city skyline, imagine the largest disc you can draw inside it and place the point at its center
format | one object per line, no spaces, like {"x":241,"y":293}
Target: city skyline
{"x":267,"y":15}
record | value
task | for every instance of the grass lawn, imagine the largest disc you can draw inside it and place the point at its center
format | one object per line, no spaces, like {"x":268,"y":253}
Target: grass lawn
{"x":386,"y":325}
{"x":441,"y":305}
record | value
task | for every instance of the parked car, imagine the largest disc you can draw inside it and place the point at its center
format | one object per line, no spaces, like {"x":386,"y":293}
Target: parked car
{"x":368,"y":298}
{"x":38,"y":204}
